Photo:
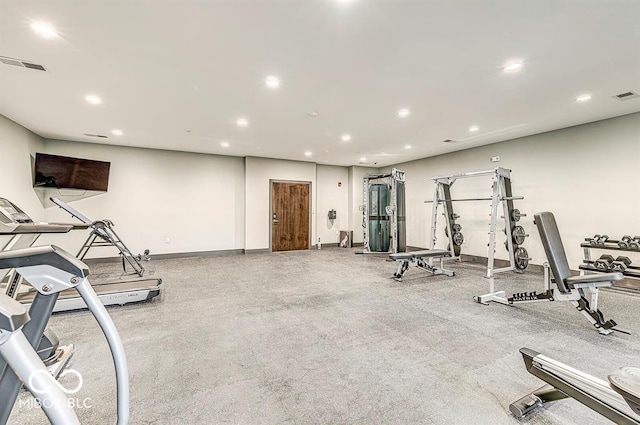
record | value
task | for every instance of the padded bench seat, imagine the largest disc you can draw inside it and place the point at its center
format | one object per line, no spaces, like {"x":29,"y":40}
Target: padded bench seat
{"x":427,"y":253}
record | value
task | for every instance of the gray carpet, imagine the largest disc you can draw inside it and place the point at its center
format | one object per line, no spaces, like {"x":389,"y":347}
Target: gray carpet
{"x":325,"y":337}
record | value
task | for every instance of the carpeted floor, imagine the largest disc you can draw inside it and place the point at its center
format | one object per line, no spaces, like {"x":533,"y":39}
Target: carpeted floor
{"x":326,"y":337}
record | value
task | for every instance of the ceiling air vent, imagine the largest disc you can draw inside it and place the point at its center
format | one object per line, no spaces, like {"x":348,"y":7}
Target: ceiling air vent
{"x":22,"y":64}
{"x":626,"y":96}
{"x":101,"y":136}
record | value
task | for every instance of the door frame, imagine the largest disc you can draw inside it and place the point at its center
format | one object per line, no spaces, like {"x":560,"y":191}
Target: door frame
{"x":271,"y":182}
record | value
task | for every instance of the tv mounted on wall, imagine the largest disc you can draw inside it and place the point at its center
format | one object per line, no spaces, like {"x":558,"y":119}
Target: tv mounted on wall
{"x":64,"y":172}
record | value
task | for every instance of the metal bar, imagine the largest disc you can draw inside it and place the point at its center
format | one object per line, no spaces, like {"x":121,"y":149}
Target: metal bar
{"x":492,"y":235}
{"x":509,"y":224}
{"x":23,"y":361}
{"x":365,"y":215}
{"x":496,"y":171}
{"x":503,"y":198}
{"x":40,"y":312}
{"x":115,"y":345}
{"x":434,"y":215}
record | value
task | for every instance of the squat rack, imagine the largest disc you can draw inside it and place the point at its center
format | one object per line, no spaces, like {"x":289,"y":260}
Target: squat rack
{"x":501,"y":193}
{"x":393,"y":179}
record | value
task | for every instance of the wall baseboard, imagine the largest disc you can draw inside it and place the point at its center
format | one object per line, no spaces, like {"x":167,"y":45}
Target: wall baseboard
{"x":220,"y":253}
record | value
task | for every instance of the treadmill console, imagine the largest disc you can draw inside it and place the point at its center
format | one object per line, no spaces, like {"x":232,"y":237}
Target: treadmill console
{"x":9,"y":213}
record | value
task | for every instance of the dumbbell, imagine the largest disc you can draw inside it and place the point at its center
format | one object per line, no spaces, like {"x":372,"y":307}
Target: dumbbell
{"x":620,"y":264}
{"x":594,"y":240}
{"x":635,"y":243}
{"x":604,"y":263}
{"x":624,"y":242}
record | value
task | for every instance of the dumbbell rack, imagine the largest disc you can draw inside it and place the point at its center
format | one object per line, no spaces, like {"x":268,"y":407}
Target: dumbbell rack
{"x":610,"y":245}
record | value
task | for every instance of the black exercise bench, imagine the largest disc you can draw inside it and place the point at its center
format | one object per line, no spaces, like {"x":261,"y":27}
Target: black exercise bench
{"x":421,"y":260}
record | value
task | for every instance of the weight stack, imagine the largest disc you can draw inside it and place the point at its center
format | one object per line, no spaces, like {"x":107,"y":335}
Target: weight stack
{"x":379,"y":225}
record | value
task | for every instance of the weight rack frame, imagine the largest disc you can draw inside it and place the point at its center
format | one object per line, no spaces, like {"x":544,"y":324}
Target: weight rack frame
{"x":501,"y":193}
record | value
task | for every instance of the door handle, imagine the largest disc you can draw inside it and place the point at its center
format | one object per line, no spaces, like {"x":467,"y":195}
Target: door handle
{"x":276,"y":221}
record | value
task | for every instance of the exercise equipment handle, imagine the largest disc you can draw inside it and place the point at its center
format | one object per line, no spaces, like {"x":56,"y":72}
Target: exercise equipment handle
{"x":23,"y":360}
{"x":115,"y":345}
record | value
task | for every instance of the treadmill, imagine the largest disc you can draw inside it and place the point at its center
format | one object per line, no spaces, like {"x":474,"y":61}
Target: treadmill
{"x":24,"y":232}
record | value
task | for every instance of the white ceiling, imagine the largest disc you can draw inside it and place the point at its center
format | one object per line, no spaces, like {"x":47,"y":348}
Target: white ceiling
{"x":176,"y":74}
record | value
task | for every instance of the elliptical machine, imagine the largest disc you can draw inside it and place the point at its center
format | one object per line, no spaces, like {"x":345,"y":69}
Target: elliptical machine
{"x":50,"y":270}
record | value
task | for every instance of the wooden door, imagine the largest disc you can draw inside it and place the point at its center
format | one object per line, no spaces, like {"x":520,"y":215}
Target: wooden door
{"x":290,"y":216}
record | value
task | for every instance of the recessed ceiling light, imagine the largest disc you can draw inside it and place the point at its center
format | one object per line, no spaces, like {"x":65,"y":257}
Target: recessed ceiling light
{"x":117,"y":132}
{"x":403,"y":113}
{"x":345,"y":137}
{"x":583,"y":98}
{"x":272,"y":82}
{"x":93,"y":99}
{"x":474,"y":128}
{"x":242,"y":122}
{"x":224,"y":144}
{"x":363,"y":159}
{"x":514,"y":66}
{"x":43,"y":30}
{"x":308,"y":153}
{"x":407,"y":146}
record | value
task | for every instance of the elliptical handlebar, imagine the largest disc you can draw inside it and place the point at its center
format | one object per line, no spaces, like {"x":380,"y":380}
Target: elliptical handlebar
{"x":115,"y":345}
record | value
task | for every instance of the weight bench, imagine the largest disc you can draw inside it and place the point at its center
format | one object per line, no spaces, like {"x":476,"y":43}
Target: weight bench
{"x":617,"y":400}
{"x":572,"y":288}
{"x":418,"y":259}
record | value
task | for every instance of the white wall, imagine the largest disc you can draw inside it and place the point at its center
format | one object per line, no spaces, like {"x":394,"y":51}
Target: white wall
{"x":19,"y":146}
{"x":258,"y":172}
{"x":195,"y":200}
{"x":331,"y":196}
{"x":586,"y":175}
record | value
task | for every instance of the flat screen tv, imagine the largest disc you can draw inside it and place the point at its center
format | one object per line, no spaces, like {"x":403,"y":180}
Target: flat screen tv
{"x":71,"y":173}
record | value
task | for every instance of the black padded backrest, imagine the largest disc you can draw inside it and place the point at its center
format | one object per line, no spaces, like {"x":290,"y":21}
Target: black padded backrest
{"x":550,"y":236}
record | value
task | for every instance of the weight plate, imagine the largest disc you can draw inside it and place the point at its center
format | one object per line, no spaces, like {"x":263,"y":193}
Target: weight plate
{"x":521,"y":257}
{"x":458,"y":239}
{"x":516,"y":215}
{"x":518,"y":234}
{"x":457,"y":227}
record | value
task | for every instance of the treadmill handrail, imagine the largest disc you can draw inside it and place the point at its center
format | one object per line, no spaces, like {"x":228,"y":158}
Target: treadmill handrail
{"x":33,"y":228}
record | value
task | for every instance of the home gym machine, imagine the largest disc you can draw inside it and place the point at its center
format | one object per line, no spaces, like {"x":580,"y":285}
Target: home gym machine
{"x":501,"y":193}
{"x":50,"y":270}
{"x":617,"y":400}
{"x":24,"y":231}
{"x":383,"y":213}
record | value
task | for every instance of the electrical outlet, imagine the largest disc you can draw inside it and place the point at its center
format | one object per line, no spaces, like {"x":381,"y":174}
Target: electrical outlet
{"x":495,"y":159}
{"x":167,"y":240}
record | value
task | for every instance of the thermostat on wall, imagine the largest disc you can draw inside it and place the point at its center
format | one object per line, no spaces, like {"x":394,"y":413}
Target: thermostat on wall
{"x":495,"y":159}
